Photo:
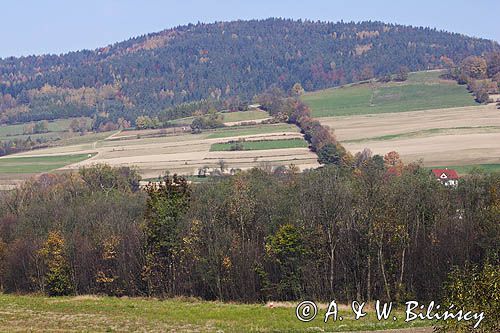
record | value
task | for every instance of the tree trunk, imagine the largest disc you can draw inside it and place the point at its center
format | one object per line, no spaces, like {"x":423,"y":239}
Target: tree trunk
{"x":382,"y":268}
{"x":369,"y":279}
{"x":332,"y":246}
{"x":401,"y":274}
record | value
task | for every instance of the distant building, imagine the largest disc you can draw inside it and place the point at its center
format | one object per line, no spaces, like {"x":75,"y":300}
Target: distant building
{"x":254,"y":106}
{"x":447,"y":177}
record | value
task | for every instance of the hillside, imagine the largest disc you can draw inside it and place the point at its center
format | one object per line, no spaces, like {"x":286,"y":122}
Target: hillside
{"x":422,"y":91}
{"x":157,"y":74}
{"x":424,"y":118}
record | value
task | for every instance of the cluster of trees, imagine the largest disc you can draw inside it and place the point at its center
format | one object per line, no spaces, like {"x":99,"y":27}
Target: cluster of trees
{"x":151,"y":74}
{"x":211,"y":120}
{"x":18,"y":145}
{"x":146,"y":122}
{"x":294,"y":111}
{"x":79,"y":125}
{"x":481,"y":74}
{"x":36,"y":128}
{"x":256,"y":236}
{"x":400,"y":76}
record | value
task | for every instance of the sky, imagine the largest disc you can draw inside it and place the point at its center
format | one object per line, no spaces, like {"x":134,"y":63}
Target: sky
{"x":59,"y":26}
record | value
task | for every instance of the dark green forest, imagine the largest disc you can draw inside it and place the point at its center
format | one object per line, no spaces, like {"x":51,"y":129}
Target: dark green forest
{"x":160,"y":74}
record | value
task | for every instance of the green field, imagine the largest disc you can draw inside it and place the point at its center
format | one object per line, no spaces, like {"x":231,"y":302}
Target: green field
{"x":228,"y":117}
{"x":422,"y":91}
{"x":244,"y":115}
{"x":56,"y":127}
{"x":251,"y":130}
{"x":108,"y":314}
{"x":59,"y":125}
{"x":261,"y":145}
{"x":466,"y":169}
{"x":38,"y":164}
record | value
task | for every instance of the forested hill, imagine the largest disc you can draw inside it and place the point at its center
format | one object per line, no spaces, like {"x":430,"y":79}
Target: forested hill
{"x":152,"y":73}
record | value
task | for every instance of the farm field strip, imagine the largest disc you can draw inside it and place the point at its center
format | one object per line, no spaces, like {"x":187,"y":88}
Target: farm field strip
{"x":229,"y":117}
{"x":260,"y":144}
{"x":452,"y":136}
{"x":187,"y":152}
{"x":59,"y":125}
{"x":189,"y":158}
{"x":368,"y":126}
{"x":252,"y":130}
{"x":20,"y":165}
{"x":430,"y":132}
{"x":459,"y":149}
{"x":232,"y":117}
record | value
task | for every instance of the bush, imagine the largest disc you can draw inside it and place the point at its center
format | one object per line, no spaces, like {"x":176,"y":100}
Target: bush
{"x":478,"y":290}
{"x":328,"y":154}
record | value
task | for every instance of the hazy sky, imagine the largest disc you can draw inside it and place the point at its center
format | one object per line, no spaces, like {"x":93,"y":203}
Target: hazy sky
{"x":58,"y":26}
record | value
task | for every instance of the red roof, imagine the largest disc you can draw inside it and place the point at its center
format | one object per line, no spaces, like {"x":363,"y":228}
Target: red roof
{"x":450,"y":173}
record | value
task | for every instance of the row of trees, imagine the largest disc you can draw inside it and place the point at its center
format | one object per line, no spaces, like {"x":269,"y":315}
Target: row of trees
{"x":481,"y":74}
{"x":294,"y":111}
{"x":255,"y":236}
{"x":17,"y":145}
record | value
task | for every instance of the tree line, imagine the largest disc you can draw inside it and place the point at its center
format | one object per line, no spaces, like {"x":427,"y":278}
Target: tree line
{"x":481,"y":74}
{"x":291,"y":109}
{"x":346,"y":233}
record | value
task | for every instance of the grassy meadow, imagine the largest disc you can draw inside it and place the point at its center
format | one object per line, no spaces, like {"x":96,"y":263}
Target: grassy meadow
{"x":261,"y":145}
{"x":55,"y":128}
{"x":229,"y":117}
{"x":38,"y":164}
{"x":422,"y":91}
{"x":108,"y":314}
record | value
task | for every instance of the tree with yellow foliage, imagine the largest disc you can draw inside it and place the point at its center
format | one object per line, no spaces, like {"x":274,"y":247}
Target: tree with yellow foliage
{"x":57,"y":277}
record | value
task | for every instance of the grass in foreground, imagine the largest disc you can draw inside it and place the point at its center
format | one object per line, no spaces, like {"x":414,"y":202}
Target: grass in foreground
{"x":422,"y":91}
{"x":38,"y":164}
{"x":466,"y":169}
{"x":251,"y":130}
{"x":107,"y":314}
{"x":260,"y":145}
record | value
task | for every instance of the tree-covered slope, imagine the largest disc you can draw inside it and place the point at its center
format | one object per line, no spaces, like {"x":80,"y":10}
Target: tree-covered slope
{"x":219,"y":61}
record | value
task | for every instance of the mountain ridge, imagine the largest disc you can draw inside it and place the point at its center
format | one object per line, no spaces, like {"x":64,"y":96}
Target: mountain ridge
{"x":223,"y":62}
